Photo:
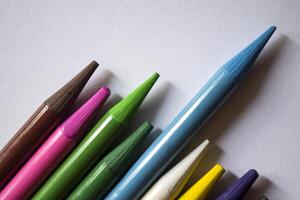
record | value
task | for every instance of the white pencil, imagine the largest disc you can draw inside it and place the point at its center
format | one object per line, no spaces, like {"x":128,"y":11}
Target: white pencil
{"x":169,"y":186}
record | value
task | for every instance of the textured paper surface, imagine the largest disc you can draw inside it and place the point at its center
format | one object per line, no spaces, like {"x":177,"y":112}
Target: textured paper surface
{"x":44,"y":44}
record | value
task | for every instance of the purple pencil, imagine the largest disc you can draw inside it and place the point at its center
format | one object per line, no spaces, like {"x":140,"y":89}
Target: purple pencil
{"x":240,"y":187}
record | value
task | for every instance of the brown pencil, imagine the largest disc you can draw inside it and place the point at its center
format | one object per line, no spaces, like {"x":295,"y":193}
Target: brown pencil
{"x":38,"y":127}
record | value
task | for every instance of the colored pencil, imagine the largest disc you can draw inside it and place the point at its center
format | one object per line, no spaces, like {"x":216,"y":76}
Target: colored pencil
{"x":40,"y":125}
{"x":201,"y":188}
{"x":53,"y":150}
{"x":169,"y":143}
{"x":240,"y":187}
{"x":94,"y":145}
{"x":110,"y":168}
{"x":169,"y":186}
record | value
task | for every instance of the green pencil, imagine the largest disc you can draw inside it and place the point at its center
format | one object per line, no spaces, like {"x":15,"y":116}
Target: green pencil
{"x":110,"y":168}
{"x":94,"y":145}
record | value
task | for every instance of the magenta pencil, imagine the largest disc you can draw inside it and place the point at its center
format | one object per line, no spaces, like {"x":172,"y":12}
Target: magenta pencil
{"x":53,"y":151}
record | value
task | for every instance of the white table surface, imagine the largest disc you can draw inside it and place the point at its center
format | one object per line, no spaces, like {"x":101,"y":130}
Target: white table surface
{"x":44,"y":43}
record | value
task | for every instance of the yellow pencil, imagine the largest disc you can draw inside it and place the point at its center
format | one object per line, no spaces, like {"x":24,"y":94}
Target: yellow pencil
{"x":200,"y":189}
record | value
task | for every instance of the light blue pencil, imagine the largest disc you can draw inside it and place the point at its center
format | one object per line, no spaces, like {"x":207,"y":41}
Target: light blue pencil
{"x":163,"y":150}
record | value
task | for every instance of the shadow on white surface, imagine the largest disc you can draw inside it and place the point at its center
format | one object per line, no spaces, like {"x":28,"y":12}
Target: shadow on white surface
{"x":261,"y":187}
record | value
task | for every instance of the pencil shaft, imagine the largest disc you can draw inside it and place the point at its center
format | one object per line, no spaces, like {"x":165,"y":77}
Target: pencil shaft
{"x":44,"y":120}
{"x":97,"y":182}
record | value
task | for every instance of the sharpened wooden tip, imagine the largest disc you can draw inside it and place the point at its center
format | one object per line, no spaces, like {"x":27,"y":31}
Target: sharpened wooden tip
{"x":69,"y":92}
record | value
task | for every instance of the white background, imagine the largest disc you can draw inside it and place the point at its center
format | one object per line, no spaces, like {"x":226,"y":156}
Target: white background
{"x":45,"y":43}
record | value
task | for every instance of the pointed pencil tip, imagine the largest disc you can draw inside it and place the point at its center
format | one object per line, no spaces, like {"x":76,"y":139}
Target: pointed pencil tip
{"x":125,"y":109}
{"x":79,"y":121}
{"x":239,"y":65}
{"x":61,"y":101}
{"x":269,"y":32}
{"x":273,"y":28}
{"x":202,"y":187}
{"x":240,"y":187}
{"x":120,"y":158}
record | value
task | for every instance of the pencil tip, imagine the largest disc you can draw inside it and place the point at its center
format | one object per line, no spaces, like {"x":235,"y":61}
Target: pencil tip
{"x":123,"y":111}
{"x":61,"y":101}
{"x":79,"y":121}
{"x":239,"y":65}
{"x":240,"y":187}
{"x":119,"y":159}
{"x":94,"y":63}
{"x":202,"y":187}
{"x":273,"y":28}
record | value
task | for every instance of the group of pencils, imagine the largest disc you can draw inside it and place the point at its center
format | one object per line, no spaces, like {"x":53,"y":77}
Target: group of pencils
{"x":57,"y":155}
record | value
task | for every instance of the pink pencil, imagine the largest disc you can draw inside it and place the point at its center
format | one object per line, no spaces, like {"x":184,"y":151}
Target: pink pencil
{"x":53,"y":151}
